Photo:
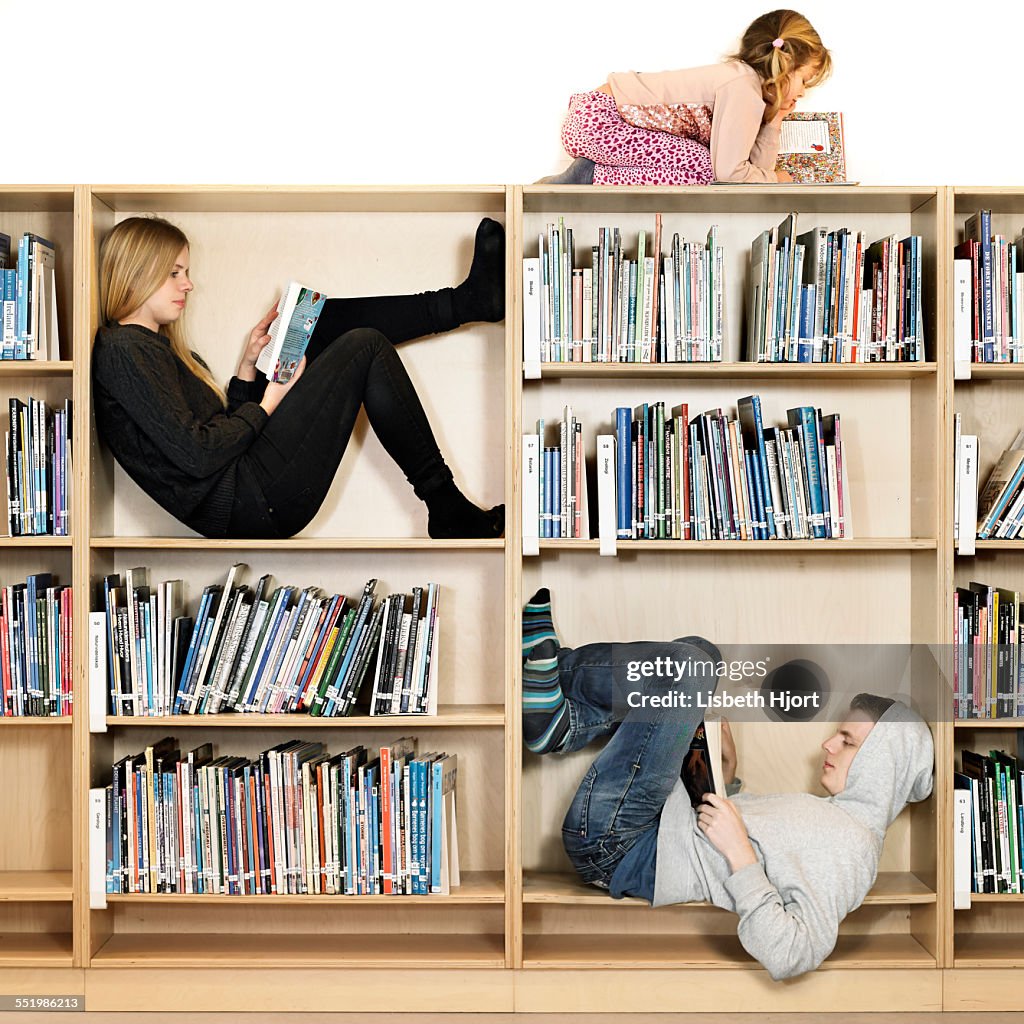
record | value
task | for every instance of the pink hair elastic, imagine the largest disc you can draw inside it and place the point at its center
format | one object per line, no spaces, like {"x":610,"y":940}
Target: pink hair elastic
{"x":778,"y":43}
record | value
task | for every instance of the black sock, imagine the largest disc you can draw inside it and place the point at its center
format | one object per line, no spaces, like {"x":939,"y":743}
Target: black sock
{"x":481,"y":297}
{"x":452,"y":515}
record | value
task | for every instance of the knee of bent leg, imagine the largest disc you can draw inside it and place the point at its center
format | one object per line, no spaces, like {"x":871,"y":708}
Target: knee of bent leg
{"x":365,"y":342}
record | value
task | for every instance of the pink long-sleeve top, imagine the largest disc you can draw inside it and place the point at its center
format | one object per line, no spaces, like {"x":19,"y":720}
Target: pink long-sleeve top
{"x":720,"y":106}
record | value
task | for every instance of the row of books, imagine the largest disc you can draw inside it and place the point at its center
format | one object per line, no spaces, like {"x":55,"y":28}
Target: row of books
{"x":824,"y":296}
{"x":36,"y":647}
{"x":37,"y":445}
{"x":997,"y":513}
{"x":28,"y":292}
{"x":716,"y":478}
{"x":294,"y":820}
{"x":988,"y":283}
{"x":655,"y":308}
{"x":266,"y":648}
{"x":562,"y":487}
{"x":988,"y":673}
{"x":988,"y":819}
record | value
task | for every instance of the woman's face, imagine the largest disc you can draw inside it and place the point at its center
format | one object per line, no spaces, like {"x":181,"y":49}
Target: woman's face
{"x":167,"y":303}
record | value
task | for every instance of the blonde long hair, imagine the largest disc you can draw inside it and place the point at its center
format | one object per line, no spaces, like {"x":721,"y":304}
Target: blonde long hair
{"x":801,"y":45}
{"x":135,"y":261}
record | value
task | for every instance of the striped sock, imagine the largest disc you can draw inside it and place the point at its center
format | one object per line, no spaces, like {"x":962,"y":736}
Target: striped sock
{"x":537,"y":622}
{"x":545,"y":710}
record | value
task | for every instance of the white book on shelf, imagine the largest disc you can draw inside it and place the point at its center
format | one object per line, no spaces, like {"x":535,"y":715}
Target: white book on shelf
{"x":962,"y":849}
{"x":98,"y":678}
{"x":956,"y":475}
{"x":967,"y":512}
{"x":97,"y":849}
{"x":962,"y":319}
{"x":606,"y":516}
{"x":531,"y":494}
{"x":531,"y":317}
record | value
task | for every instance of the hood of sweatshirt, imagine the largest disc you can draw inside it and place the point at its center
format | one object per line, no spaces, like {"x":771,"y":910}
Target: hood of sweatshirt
{"x":894,"y":767}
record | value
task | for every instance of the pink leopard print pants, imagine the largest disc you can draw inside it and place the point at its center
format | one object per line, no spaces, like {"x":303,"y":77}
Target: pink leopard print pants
{"x":624,"y":155}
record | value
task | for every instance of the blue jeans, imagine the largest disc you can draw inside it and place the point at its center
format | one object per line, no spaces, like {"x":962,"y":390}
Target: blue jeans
{"x":623,"y":792}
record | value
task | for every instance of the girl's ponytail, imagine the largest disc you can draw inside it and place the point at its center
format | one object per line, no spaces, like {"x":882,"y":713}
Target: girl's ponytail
{"x":775,"y":45}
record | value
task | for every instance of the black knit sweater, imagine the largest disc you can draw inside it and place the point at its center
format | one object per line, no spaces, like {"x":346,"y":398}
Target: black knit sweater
{"x":169,"y":430}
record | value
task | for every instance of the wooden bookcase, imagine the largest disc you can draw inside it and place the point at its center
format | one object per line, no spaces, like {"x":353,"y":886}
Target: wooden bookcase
{"x":521,"y":933}
{"x":989,"y":937}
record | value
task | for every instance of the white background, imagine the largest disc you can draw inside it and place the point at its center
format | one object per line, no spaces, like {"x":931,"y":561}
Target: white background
{"x":464,"y":91}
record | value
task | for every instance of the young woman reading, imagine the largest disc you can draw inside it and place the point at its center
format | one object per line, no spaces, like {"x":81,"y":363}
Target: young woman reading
{"x":258,"y":460}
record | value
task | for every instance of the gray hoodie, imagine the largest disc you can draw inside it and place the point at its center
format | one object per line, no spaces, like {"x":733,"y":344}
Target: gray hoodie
{"x":817,"y":857}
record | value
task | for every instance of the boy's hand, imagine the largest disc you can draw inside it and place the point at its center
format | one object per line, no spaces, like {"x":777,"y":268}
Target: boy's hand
{"x":728,"y":754}
{"x":783,"y":176}
{"x":720,"y":820}
{"x":258,"y":340}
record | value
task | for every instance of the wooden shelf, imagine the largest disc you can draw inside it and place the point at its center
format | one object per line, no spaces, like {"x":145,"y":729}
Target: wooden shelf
{"x":989,"y":949}
{"x":33,"y":367}
{"x":296,"y":544}
{"x":994,"y":371}
{"x":17,"y":720}
{"x":988,"y":723}
{"x":643,"y":952}
{"x":891,"y":887}
{"x":28,"y":949}
{"x":35,"y":542}
{"x":997,"y":897}
{"x":478,"y":887}
{"x":448,"y":716}
{"x":303,"y":198}
{"x":35,"y":887}
{"x":995,"y":545}
{"x":753,"y":547}
{"x":760,"y":372}
{"x":769,"y":200}
{"x":385,"y":949}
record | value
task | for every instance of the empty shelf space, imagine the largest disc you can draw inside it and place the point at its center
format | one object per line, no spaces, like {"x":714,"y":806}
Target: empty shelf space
{"x":296,"y":950}
{"x":28,"y":949}
{"x":35,"y":886}
{"x":725,"y":951}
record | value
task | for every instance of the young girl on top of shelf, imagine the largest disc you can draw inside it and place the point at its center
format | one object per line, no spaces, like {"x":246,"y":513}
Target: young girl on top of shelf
{"x":696,"y":125}
{"x":258,"y":461}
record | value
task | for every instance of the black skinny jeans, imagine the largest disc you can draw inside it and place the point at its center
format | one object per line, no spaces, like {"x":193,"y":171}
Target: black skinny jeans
{"x":283,"y":479}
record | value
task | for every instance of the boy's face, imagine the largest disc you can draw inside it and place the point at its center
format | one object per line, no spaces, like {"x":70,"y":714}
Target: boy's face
{"x":841,"y":748}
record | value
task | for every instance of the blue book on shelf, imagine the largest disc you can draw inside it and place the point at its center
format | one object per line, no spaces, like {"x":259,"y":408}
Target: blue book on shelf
{"x":805,"y":418}
{"x":805,"y":348}
{"x":752,"y":429}
{"x":623,"y":474}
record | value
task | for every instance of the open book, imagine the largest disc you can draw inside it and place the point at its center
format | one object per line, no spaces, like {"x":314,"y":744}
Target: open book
{"x":701,"y":770}
{"x":811,"y":148}
{"x":297,"y":314}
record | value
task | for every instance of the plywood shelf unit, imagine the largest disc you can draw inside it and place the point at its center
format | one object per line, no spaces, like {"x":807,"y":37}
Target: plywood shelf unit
{"x":520,"y":913}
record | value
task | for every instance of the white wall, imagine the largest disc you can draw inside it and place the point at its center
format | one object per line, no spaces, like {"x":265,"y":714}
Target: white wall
{"x":373,"y":91}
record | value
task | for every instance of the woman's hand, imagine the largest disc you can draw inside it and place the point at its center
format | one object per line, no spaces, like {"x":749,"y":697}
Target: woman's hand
{"x":258,"y":340}
{"x":275,"y":393}
{"x":783,"y":176}
{"x":728,"y":754}
{"x":720,"y":820}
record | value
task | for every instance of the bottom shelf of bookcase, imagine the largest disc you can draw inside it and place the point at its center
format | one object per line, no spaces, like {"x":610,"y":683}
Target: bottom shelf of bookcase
{"x":709,"y":950}
{"x":139,"y":949}
{"x":35,"y":949}
{"x":988,"y":949}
